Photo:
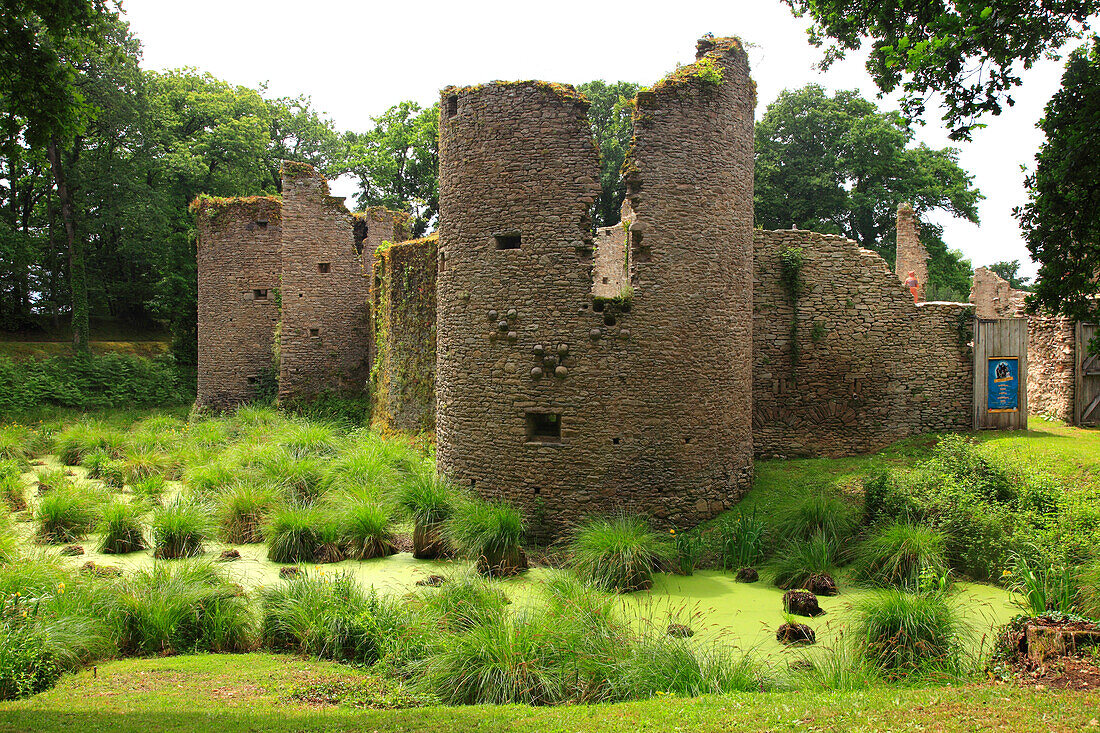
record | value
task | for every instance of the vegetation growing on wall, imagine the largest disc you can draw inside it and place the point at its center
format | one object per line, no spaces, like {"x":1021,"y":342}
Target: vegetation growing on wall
{"x":791,"y":261}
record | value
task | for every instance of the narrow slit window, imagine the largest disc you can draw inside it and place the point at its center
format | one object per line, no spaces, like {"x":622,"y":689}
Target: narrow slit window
{"x":543,"y":427}
{"x":324,"y":267}
{"x":259,"y":294}
{"x":509,"y":240}
{"x":452,"y":105}
{"x":261,"y":223}
{"x":442,"y":261}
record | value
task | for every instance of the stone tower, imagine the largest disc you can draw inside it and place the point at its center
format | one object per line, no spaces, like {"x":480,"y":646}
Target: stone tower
{"x":911,"y":255}
{"x":567,"y":404}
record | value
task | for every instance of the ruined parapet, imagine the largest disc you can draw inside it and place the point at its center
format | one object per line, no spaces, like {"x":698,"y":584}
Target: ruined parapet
{"x":568,"y":405}
{"x":612,"y":270}
{"x":325,"y":332}
{"x":911,"y":256}
{"x":238,"y":294}
{"x":993,"y":297}
{"x":862,"y":366}
{"x":403,"y":371}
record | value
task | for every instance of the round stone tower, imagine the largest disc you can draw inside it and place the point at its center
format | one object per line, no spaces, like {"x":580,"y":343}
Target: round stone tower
{"x":568,"y":404}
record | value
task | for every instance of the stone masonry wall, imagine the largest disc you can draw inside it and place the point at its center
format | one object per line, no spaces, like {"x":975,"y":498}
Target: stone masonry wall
{"x":238,"y":266}
{"x":611,"y":276}
{"x":911,"y":256}
{"x":403,"y":297}
{"x":993,"y":297}
{"x":871,"y":367}
{"x":325,"y":338}
{"x":545,"y":401}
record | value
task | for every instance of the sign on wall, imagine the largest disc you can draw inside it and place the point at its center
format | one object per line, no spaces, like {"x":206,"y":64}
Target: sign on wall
{"x":1004,"y":384}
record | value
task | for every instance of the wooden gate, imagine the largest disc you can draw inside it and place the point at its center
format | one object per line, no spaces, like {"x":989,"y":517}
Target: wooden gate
{"x":1087,"y":380}
{"x":1000,"y":374}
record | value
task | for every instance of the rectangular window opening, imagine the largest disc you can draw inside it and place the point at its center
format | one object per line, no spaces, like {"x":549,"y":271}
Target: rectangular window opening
{"x":314,"y":333}
{"x":543,"y":427}
{"x":259,"y":294}
{"x":442,"y":261}
{"x":452,"y":105}
{"x":508,"y":240}
{"x":261,"y":223}
{"x":615,"y":441}
{"x":324,"y":267}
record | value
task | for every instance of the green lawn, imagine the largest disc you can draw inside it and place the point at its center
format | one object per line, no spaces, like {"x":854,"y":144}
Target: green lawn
{"x":254,"y":692}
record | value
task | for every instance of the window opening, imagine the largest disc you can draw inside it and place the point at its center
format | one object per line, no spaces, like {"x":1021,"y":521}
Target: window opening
{"x":510,"y":240}
{"x":543,"y":427}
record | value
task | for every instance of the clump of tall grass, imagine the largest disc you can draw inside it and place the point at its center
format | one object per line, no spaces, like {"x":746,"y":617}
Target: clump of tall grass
{"x":490,"y":533}
{"x":362,"y":467}
{"x":181,"y":528}
{"x":802,"y":562}
{"x":365,"y":527}
{"x":207,"y":433}
{"x":1088,"y":589}
{"x":838,"y":667}
{"x":242,"y":510}
{"x":77,"y":441}
{"x":740,"y":537}
{"x":65,"y":515}
{"x":819,"y":512}
{"x":210,"y":478}
{"x":428,"y":500}
{"x":292,"y":534}
{"x":900,"y":554}
{"x":310,"y":440}
{"x":618,"y":552}
{"x":1043,"y":586}
{"x":463,"y":601}
{"x":14,"y":445}
{"x":101,"y":465}
{"x":141,"y":463}
{"x":301,"y":477}
{"x":13,"y":492}
{"x":903,"y":634}
{"x":149,"y":489}
{"x":184,"y":607}
{"x":53,"y":479}
{"x":329,"y":617}
{"x":121,"y":527}
{"x":662,"y":665}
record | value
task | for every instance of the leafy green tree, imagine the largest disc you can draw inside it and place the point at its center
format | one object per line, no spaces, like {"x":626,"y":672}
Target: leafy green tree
{"x":839,"y":165}
{"x":1010,"y":273}
{"x":301,"y":133}
{"x":397,"y":163}
{"x":969,"y":52}
{"x":613,"y":128}
{"x":1061,"y":220}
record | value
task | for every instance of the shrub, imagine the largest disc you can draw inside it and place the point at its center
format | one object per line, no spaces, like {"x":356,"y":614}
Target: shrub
{"x":901,"y":554}
{"x":740,"y":539}
{"x":462,"y":602}
{"x":817,"y":513}
{"x":329,"y":618}
{"x":902,"y":633}
{"x":427,"y":499}
{"x":184,"y":607}
{"x":65,"y":515}
{"x":242,"y":511}
{"x":181,"y":527}
{"x":365,"y":528}
{"x":618,"y":552}
{"x":292,"y":534}
{"x":121,"y":527}
{"x":490,"y":533}
{"x":802,"y":562}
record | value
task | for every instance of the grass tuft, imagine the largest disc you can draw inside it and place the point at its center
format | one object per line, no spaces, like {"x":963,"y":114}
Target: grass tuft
{"x":121,"y":527}
{"x":900,"y":554}
{"x":181,"y":528}
{"x":619,"y":552}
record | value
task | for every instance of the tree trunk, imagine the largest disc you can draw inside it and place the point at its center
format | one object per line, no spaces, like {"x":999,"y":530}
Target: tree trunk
{"x":77,"y":276}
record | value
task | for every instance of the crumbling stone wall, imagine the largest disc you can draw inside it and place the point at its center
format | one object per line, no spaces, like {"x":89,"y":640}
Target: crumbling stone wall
{"x":911,"y":256}
{"x":403,"y":297}
{"x":612,"y":276}
{"x":238,"y":292}
{"x":546,"y":401}
{"x":871,"y":367}
{"x":993,"y":297}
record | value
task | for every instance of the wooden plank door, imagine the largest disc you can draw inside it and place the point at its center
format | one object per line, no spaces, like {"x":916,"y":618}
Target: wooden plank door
{"x":1000,"y":374}
{"x":1087,"y":379}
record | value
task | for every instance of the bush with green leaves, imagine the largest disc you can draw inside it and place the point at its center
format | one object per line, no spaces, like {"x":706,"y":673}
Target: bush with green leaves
{"x":900,"y":554}
{"x":242,"y":511}
{"x":904,"y":634}
{"x":619,"y":552}
{"x":329,"y":617}
{"x":802,"y":562}
{"x":427,"y":499}
{"x":292,"y":533}
{"x":121,"y":528}
{"x":490,"y":533}
{"x":181,"y":527}
{"x":184,"y":607}
{"x":66,"y":514}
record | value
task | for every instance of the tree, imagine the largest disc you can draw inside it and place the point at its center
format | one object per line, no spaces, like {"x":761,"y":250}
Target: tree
{"x":970,"y":52}
{"x":1061,"y":220}
{"x":839,"y":165}
{"x":300,"y":133}
{"x":45,"y":44}
{"x":613,"y":129}
{"x":397,"y":163}
{"x":1010,"y":273}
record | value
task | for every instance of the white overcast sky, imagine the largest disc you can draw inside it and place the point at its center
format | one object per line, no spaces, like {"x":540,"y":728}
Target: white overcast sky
{"x":356,"y":59}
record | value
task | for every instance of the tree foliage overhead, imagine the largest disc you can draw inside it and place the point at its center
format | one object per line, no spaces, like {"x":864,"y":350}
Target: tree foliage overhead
{"x":612,"y":126}
{"x":839,"y":165}
{"x":1009,"y":271}
{"x":1061,"y":220}
{"x":971,"y":52}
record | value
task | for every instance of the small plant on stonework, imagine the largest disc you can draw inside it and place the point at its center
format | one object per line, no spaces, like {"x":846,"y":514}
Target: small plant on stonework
{"x":818,"y":331}
{"x":708,"y":71}
{"x":689,"y":550}
{"x":619,"y":552}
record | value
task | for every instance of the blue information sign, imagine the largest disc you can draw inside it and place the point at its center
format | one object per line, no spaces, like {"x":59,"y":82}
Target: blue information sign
{"x":1004,"y":384}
